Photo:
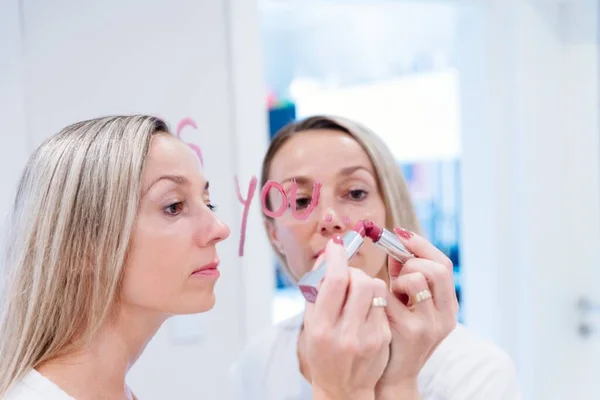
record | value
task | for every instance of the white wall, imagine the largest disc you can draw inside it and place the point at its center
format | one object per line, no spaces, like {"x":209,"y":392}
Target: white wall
{"x":176,"y":59}
{"x":13,"y":150}
{"x":531,"y":174}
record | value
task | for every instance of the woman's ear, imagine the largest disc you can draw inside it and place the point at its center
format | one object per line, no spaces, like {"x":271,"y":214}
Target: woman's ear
{"x":273,"y":236}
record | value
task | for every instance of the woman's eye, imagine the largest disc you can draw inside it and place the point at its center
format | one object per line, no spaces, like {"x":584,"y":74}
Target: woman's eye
{"x":212,"y":207}
{"x":302,"y":202}
{"x":174,"y":209}
{"x":357,"y":194}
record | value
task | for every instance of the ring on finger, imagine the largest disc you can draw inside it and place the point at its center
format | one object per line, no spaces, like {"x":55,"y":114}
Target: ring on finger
{"x":379,"y":302}
{"x":422,"y":295}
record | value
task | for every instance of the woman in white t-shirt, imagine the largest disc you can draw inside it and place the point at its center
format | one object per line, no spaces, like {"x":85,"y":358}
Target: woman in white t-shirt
{"x":360,"y":179}
{"x":112,"y":232}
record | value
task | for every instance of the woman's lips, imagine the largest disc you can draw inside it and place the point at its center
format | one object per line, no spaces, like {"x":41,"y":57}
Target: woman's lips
{"x":209,"y":270}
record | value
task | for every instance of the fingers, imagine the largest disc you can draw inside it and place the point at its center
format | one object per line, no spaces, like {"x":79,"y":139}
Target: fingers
{"x":439,"y":280}
{"x":397,"y":312}
{"x":377,"y":317}
{"x":422,"y":248}
{"x":364,"y":328}
{"x":412,"y":285}
{"x":360,"y":294}
{"x":332,"y":293}
{"x":376,"y":333}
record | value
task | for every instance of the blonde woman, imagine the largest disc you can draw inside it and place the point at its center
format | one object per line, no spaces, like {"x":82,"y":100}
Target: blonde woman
{"x":112,"y":232}
{"x":360,"y":180}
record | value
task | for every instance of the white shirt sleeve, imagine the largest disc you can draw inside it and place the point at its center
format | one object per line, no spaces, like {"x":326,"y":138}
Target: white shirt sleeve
{"x":268,"y":367}
{"x":468,"y":368}
{"x":247,"y":373}
{"x":493,"y":378}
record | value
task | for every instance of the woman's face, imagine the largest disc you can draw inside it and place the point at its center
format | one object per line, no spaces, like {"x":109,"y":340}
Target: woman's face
{"x":349,"y":193}
{"x":172,"y":262}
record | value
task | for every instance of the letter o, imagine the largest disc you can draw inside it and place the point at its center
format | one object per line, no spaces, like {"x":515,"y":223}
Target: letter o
{"x":265,"y":192}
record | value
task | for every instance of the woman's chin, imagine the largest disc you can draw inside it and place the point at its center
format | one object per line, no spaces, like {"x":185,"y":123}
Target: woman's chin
{"x":206,"y":303}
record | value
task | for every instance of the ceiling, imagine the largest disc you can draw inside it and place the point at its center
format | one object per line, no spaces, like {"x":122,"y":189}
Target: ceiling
{"x":355,"y":41}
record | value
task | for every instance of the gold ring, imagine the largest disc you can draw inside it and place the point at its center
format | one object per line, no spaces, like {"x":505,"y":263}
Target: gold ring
{"x":422,"y":296}
{"x":379,"y":302}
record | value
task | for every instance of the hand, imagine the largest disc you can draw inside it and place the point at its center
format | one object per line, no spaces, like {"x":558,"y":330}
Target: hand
{"x":417,"y":328}
{"x":346,"y":339}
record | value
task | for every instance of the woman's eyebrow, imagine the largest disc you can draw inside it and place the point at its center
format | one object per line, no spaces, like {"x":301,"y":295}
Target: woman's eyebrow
{"x":300,"y":180}
{"x":350,"y":170}
{"x":346,"y":171}
{"x":177,"y":179}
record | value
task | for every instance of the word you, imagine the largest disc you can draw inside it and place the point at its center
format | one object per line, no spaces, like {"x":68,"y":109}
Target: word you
{"x":285,"y":203}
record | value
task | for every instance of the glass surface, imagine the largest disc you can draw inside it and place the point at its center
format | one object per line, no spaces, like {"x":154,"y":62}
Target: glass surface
{"x":389,"y":66}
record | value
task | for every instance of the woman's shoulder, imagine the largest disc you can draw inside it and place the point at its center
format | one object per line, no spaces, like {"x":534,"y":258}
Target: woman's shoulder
{"x":35,"y":386}
{"x":465,"y":365}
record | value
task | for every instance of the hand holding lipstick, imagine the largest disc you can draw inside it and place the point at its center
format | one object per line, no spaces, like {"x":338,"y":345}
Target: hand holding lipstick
{"x":422,"y":310}
{"x":346,"y":339}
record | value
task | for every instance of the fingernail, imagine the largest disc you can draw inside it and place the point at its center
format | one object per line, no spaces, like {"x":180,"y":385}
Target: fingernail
{"x":337,"y":239}
{"x":403,"y":233}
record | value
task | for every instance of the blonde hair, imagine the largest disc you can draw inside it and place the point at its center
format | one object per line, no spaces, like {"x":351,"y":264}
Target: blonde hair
{"x":69,"y":233}
{"x":390,"y":181}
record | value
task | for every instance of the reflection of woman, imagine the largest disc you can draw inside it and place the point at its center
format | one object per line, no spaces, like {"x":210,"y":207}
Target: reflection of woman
{"x":360,"y":180}
{"x":113,"y":232}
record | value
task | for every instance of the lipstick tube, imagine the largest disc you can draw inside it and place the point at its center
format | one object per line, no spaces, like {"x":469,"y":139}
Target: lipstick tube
{"x":309,"y":283}
{"x":387,"y":241}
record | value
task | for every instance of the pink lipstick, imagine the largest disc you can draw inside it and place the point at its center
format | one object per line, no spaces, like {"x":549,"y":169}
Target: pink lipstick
{"x":352,"y":241}
{"x":387,"y":241}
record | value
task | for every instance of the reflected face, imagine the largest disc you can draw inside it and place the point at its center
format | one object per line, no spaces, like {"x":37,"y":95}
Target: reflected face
{"x":172,"y":262}
{"x":349,"y":193}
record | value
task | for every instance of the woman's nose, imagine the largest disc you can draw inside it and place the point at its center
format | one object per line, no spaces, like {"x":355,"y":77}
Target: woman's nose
{"x":217,"y":231}
{"x":331,"y":222}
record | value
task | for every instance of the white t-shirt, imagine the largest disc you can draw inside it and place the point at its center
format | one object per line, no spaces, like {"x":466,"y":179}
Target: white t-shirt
{"x":463,"y":367}
{"x":35,"y":386}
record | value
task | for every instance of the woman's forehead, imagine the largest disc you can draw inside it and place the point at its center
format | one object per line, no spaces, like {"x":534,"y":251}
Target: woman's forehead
{"x":169,"y":155}
{"x":318,"y":152}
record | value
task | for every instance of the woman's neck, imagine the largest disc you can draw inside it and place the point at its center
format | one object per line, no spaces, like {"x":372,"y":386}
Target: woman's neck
{"x":101,"y":367}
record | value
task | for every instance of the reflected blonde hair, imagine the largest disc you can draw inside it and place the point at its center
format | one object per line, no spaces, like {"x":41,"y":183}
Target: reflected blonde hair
{"x":69,"y":233}
{"x":390,"y":181}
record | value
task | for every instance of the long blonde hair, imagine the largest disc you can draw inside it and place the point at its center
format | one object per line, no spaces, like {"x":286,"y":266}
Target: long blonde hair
{"x":392,"y":185}
{"x":69,"y":233}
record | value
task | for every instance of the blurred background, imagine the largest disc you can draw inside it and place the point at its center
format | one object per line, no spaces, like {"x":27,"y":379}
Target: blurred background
{"x":491,"y":108}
